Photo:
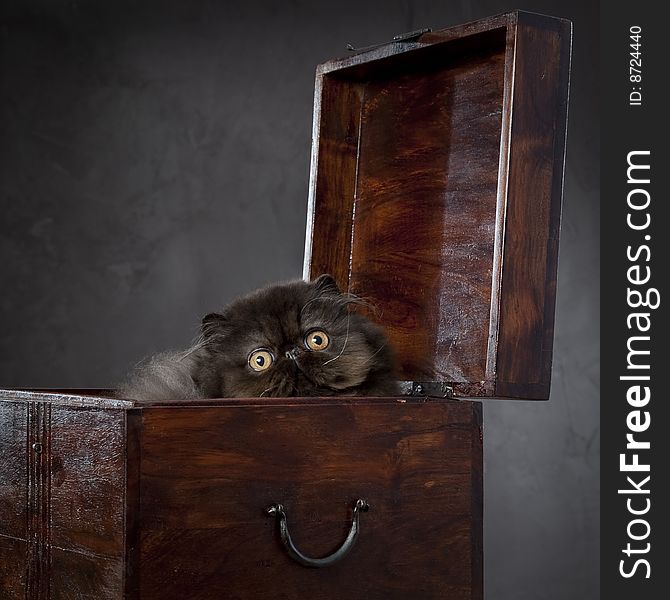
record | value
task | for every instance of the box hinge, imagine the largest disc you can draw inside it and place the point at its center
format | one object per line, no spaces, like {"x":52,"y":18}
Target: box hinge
{"x":434,"y":389}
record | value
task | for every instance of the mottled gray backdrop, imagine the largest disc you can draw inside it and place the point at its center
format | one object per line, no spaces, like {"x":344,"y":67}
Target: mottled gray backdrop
{"x":154,"y":161}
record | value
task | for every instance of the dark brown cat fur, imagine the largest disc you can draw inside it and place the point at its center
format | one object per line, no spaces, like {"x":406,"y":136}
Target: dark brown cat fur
{"x":356,"y":361}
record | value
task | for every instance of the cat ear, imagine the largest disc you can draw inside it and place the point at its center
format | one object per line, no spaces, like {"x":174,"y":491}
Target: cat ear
{"x":326,"y":284}
{"x":213,"y":323}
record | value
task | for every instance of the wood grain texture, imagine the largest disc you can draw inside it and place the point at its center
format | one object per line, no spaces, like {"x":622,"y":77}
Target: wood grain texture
{"x":168,"y":501}
{"x":424,"y":236}
{"x":88,"y":480}
{"x":13,"y":469}
{"x":132,"y":523}
{"x":84,"y":398}
{"x":14,"y":491}
{"x":446,"y":216}
{"x":84,"y":576}
{"x":62,"y":491}
{"x":535,"y":188}
{"x":336,"y":160}
{"x":205,"y":534}
{"x":365,"y":60}
{"x":13,"y":568}
{"x":38,"y":572}
{"x":412,"y":232}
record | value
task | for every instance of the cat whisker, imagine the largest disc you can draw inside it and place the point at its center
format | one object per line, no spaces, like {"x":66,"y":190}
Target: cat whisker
{"x":375,"y":354}
{"x":265,"y":391}
{"x":349,"y":298}
{"x":346,"y":339}
{"x":199,"y":345}
{"x":322,"y":297}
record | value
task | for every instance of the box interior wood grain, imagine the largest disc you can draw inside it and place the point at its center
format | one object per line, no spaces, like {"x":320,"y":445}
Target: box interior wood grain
{"x":437,"y":174}
{"x":435,"y":196}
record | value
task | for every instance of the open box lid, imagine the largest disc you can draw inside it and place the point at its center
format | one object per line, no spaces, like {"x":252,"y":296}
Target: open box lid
{"x":435,"y":195}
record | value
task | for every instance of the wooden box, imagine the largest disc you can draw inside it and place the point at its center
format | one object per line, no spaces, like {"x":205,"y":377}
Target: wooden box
{"x":435,"y":194}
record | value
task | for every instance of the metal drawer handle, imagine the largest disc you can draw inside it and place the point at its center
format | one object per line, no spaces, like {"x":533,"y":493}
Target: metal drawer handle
{"x":278,"y":511}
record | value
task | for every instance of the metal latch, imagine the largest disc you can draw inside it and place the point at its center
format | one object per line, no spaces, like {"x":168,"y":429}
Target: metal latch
{"x":410,"y":36}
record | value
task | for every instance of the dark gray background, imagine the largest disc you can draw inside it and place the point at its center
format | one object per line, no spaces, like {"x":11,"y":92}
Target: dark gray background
{"x":154,"y":163}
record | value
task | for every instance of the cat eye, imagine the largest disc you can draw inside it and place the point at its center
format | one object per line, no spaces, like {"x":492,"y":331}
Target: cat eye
{"x":317,"y":339}
{"x":261,"y":359}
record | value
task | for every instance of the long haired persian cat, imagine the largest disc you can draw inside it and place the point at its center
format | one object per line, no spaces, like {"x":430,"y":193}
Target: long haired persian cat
{"x":291,"y":339}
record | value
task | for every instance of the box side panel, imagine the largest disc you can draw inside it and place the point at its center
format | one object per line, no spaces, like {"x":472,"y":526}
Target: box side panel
{"x":13,"y":554}
{"x":209,"y":473}
{"x":536,"y":162}
{"x":333,"y":179}
{"x":14,"y":469}
{"x":13,"y":499}
{"x":61,"y":501}
{"x":86,"y":465}
{"x":84,"y":576}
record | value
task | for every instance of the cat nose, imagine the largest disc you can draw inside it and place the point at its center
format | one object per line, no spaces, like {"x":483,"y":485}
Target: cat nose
{"x":292,"y":353}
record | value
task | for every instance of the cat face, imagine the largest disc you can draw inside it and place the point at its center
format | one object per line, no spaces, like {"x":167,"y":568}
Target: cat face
{"x":295,"y":339}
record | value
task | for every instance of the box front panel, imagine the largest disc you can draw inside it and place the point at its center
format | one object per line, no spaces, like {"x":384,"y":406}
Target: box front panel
{"x":209,"y":473}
